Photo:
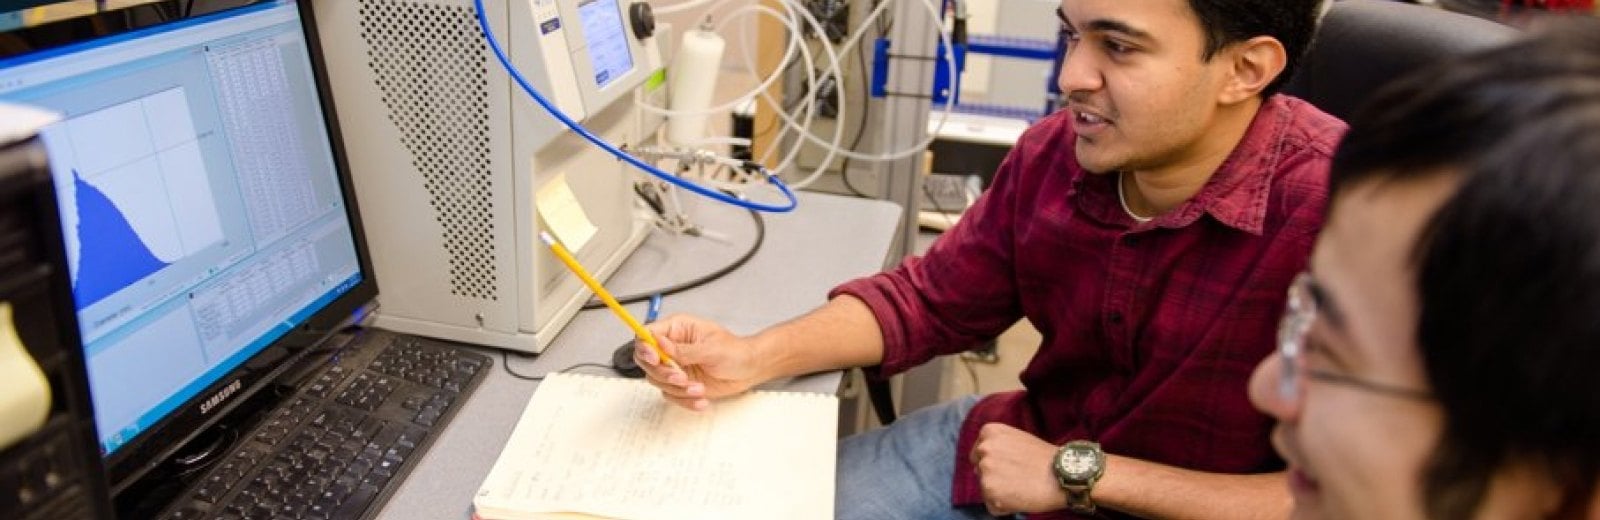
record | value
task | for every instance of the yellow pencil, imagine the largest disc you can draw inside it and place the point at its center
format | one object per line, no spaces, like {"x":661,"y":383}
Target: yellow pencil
{"x":605,"y":296}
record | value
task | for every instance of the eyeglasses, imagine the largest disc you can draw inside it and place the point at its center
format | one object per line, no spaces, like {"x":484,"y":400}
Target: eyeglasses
{"x":1298,"y":316}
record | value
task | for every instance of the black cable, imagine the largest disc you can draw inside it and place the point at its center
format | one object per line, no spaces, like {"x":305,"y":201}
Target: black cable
{"x":774,"y":122}
{"x":761,"y":237}
{"x":884,"y":23}
{"x":861,"y":126}
{"x":505,"y":362}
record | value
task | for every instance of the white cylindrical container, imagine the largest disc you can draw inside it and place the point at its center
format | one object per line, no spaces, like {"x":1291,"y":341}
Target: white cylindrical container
{"x":692,"y":81}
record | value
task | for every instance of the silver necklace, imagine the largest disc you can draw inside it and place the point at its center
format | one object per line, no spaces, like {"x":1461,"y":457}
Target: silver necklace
{"x":1122,"y":198}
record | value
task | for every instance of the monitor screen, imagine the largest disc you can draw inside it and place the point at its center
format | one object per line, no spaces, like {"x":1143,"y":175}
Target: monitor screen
{"x":201,"y":206}
{"x":606,"y":40}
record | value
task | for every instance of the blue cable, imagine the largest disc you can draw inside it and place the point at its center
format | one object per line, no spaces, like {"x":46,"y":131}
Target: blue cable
{"x":654,"y":310}
{"x":494,"y":45}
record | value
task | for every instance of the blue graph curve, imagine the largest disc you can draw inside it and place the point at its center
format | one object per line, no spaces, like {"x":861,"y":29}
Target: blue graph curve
{"x":110,"y":254}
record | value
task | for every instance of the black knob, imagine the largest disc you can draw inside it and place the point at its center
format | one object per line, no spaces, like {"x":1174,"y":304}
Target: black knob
{"x":644,"y":20}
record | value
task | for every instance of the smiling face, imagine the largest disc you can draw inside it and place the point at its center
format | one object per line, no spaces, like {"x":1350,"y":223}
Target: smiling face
{"x":1356,"y":452}
{"x":1142,"y":96}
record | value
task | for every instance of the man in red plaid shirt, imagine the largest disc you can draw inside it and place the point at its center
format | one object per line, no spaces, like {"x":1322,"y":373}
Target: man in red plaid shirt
{"x":1149,"y":231}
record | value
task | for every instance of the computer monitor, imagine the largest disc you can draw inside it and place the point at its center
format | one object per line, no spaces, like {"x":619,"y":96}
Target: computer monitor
{"x":210,"y":229}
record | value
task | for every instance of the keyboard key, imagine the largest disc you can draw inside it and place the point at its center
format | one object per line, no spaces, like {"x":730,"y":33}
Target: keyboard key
{"x":410,"y":438}
{"x":319,"y":510}
{"x":397,"y":454}
{"x":357,"y":502}
{"x":210,"y":492}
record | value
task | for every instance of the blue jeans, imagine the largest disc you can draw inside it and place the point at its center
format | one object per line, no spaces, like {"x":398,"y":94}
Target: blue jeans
{"x":904,"y":471}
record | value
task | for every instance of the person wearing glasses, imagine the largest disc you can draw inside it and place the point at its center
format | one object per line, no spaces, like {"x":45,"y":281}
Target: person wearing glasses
{"x":1441,"y":357}
{"x":1149,"y":231}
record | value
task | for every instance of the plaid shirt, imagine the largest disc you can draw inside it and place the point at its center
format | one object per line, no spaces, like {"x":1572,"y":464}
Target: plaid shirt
{"x":1150,"y":330}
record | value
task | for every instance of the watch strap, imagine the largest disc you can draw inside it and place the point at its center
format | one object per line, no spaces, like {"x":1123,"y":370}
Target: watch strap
{"x":1078,"y":500}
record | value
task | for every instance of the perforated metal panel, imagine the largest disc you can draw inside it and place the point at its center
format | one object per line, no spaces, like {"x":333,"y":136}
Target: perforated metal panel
{"x":429,"y":63}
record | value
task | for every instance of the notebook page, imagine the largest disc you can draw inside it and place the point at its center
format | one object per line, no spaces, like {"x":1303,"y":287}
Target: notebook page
{"x":614,"y":448}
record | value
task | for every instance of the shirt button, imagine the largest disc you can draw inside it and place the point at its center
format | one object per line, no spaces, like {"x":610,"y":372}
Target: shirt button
{"x":1116,"y":318}
{"x":1130,"y":240}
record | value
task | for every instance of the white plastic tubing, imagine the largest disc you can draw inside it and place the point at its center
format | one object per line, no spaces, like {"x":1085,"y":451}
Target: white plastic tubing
{"x":793,"y":15}
{"x":794,"y":47}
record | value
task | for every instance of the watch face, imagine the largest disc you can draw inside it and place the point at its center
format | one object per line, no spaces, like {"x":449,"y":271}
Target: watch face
{"x":1079,"y":463}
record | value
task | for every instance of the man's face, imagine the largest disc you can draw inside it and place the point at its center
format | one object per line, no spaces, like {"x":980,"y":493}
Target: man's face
{"x":1355,"y":442}
{"x":1141,"y":96}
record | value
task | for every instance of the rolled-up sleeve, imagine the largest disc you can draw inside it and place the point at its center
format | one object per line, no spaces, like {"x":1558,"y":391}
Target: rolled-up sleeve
{"x":962,"y":292}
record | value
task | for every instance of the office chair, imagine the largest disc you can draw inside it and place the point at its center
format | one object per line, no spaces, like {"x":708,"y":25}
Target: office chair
{"x":1364,"y":44}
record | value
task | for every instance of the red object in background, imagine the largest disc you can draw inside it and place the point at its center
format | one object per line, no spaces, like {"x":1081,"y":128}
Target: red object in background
{"x":1507,"y":6}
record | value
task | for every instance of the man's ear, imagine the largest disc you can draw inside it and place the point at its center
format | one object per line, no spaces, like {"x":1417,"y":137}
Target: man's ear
{"x":1255,"y":63}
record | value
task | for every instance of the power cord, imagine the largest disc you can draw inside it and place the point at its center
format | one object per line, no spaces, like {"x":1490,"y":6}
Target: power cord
{"x":761,"y":237}
{"x":505,"y":362}
{"x":861,"y":126}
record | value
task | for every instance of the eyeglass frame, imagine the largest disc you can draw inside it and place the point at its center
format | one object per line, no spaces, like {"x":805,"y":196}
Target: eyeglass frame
{"x":1300,"y":312}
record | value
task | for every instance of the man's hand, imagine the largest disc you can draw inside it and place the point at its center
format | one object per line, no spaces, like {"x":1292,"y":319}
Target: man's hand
{"x":715,"y":363}
{"x":1014,"y":470}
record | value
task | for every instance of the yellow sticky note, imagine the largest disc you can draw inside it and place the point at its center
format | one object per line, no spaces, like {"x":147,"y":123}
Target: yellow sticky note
{"x":561,"y":211}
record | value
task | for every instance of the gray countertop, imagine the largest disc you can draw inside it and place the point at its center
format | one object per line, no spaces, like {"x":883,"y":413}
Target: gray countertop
{"x":827,"y":240}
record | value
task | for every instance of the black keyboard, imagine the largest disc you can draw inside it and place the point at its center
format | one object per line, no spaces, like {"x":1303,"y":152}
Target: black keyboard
{"x":343,"y":443}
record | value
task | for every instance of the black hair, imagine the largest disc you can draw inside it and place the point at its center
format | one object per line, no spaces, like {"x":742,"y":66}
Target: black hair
{"x":1508,"y":269}
{"x":1291,"y":22}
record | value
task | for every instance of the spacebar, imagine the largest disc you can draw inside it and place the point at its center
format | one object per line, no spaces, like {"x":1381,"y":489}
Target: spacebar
{"x":357,"y":502}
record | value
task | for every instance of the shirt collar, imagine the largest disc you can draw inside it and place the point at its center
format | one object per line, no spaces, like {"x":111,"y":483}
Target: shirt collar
{"x":1236,"y":195}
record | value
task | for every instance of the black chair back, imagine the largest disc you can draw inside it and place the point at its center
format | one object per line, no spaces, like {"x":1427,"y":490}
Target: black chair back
{"x":1364,"y":44}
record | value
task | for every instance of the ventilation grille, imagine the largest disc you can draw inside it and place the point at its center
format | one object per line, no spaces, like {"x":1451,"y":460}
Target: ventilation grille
{"x":429,"y":64}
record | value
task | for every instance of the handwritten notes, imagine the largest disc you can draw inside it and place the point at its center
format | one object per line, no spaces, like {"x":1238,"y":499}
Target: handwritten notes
{"x":614,"y":448}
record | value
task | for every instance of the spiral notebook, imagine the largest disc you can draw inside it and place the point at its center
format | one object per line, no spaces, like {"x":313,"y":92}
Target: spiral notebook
{"x":603,"y":447}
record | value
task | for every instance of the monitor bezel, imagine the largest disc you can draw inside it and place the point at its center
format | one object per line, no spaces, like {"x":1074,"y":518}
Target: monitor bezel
{"x":159,"y":443}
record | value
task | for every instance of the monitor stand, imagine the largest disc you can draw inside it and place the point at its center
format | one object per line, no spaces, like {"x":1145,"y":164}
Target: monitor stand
{"x":204,"y":449}
{"x":151,"y":493}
